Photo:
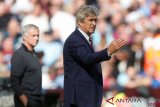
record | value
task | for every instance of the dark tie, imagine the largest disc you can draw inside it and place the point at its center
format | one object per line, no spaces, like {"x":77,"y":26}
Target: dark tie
{"x":90,"y":40}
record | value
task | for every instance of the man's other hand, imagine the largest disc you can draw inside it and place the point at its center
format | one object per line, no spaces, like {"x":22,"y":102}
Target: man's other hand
{"x":24,"y":100}
{"x":116,"y":45}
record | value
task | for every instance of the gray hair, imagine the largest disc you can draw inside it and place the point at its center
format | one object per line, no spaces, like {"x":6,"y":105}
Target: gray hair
{"x":85,"y":11}
{"x":25,"y":30}
{"x":27,"y":27}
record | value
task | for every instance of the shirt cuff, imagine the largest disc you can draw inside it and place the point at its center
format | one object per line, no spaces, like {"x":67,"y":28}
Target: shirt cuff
{"x":109,"y":54}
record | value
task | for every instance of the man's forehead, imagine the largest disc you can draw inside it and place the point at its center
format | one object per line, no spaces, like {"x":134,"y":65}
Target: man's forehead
{"x":32,"y":29}
{"x":91,"y":17}
{"x":91,"y":14}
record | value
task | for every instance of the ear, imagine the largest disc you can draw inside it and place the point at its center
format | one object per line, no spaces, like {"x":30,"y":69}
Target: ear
{"x":24,"y":37}
{"x":80,"y":23}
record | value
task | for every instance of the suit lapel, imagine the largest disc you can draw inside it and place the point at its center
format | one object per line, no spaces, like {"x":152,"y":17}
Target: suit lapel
{"x":80,"y":34}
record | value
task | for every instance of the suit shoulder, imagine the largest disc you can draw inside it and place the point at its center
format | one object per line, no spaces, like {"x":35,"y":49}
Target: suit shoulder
{"x":72,"y":36}
{"x":74,"y":39}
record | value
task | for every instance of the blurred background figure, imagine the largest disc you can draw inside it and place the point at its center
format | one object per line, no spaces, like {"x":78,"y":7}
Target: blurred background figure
{"x":38,"y":17}
{"x":62,"y":23}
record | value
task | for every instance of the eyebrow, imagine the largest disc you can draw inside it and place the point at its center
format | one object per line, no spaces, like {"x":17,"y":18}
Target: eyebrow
{"x":35,"y":35}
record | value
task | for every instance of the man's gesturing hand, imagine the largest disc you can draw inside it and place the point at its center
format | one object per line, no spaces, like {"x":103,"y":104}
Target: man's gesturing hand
{"x":115,"y":45}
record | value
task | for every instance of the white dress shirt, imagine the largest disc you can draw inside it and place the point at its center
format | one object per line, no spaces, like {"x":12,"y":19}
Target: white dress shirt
{"x":85,"y":35}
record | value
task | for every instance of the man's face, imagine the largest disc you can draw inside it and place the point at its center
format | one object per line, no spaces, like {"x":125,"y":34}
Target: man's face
{"x":32,"y":37}
{"x":89,"y":24}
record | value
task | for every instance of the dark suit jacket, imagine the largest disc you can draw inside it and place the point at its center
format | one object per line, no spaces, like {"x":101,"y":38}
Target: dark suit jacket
{"x":83,"y":84}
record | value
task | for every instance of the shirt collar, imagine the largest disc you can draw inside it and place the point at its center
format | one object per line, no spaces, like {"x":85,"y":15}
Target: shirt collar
{"x":84,"y":34}
{"x":27,"y":49}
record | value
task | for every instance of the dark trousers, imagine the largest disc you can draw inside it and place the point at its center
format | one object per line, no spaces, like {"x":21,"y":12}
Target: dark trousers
{"x":33,"y":101}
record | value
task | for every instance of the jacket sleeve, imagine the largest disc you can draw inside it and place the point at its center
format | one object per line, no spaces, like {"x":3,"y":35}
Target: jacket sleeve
{"x":17,"y":69}
{"x":81,"y":52}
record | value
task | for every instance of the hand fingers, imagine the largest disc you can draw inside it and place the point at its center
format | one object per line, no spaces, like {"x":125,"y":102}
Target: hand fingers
{"x":116,"y":45}
{"x":120,"y":42}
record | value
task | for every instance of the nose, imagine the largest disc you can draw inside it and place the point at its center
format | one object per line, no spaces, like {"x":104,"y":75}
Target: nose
{"x":37,"y":38}
{"x":94,"y":22}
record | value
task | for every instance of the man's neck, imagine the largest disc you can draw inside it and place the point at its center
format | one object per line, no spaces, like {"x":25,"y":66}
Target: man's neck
{"x":84,"y":31}
{"x":29,"y":47}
